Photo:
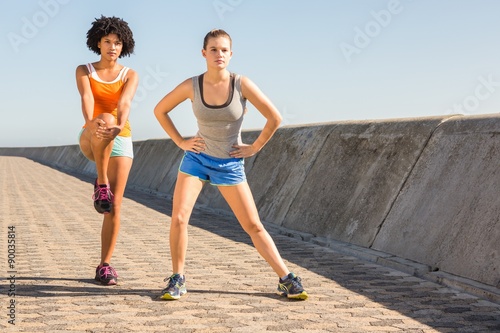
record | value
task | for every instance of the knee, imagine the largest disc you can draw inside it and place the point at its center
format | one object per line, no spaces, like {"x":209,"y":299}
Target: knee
{"x":254,"y":227}
{"x":180,"y":221}
{"x":108,"y":118}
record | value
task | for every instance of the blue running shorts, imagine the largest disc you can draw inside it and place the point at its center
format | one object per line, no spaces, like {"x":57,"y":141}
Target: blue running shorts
{"x":216,"y":171}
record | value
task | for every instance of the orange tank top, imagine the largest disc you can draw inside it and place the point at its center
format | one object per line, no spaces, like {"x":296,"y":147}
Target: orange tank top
{"x":107,"y":94}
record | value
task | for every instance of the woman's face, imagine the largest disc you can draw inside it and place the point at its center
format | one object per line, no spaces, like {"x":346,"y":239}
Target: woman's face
{"x":218,"y":52}
{"x":111,"y":47}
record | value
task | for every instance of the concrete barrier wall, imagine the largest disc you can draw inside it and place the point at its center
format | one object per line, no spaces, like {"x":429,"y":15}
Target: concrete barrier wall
{"x":424,"y":190}
{"x":447,"y":215}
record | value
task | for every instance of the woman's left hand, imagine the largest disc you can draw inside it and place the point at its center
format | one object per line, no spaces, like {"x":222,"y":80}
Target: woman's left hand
{"x":107,"y":133}
{"x":243,"y":150}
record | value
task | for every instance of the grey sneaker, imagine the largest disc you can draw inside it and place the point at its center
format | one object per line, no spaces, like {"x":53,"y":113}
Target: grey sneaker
{"x":175,"y":288}
{"x":291,"y":287}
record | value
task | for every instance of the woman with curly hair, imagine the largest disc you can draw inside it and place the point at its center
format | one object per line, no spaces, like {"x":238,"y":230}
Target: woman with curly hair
{"x":107,"y":89}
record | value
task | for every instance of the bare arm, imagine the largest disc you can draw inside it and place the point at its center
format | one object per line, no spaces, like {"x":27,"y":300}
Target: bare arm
{"x":180,"y":93}
{"x":87,"y":98}
{"x":129,"y":89}
{"x":255,"y":96}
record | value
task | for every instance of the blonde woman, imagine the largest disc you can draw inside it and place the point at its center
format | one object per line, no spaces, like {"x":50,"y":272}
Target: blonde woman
{"x":215,"y":155}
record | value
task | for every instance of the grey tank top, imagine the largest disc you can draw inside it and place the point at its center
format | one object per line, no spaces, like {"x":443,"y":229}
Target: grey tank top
{"x":219,"y":125}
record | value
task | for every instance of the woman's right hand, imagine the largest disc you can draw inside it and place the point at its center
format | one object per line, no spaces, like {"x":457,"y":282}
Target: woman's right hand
{"x":195,"y":145}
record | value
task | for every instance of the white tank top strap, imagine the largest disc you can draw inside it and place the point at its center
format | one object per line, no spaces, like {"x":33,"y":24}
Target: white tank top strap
{"x":90,"y":69}
{"x":124,"y":72}
{"x":93,"y":74}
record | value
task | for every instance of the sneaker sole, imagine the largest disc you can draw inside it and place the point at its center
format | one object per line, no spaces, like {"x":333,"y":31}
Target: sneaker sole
{"x":169,"y":297}
{"x":101,"y":210}
{"x":111,"y":282}
{"x":302,"y":296}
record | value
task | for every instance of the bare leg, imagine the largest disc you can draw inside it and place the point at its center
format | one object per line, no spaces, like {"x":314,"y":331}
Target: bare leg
{"x":98,"y":150}
{"x":187,"y":189}
{"x":118,"y":172}
{"x":240,"y":199}
{"x":85,"y":146}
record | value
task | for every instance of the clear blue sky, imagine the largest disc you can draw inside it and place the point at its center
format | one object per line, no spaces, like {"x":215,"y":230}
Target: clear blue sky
{"x":318,"y":60}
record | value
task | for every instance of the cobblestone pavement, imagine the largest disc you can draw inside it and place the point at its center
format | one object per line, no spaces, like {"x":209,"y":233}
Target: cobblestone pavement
{"x":230,"y":288}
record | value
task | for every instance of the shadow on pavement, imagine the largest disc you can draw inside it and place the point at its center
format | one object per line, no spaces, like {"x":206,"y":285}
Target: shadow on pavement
{"x":92,"y":288}
{"x":428,"y":303}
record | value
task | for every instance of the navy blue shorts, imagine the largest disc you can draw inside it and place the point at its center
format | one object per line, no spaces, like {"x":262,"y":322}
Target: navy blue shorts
{"x":216,"y":171}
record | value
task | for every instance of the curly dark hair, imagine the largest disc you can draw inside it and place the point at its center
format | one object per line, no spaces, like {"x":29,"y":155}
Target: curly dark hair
{"x":110,"y":25}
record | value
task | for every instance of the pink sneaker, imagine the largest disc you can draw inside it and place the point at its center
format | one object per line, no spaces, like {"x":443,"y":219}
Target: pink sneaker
{"x":106,"y":275}
{"x":103,"y":198}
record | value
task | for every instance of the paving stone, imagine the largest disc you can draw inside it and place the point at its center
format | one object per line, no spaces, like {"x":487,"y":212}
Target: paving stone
{"x":230,"y":287}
